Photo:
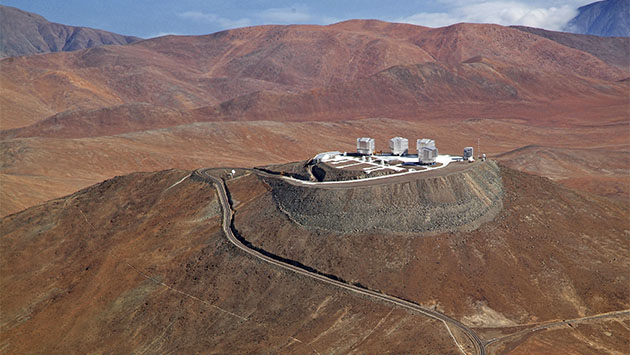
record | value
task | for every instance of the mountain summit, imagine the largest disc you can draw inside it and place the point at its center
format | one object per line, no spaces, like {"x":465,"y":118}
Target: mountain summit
{"x":25,"y":33}
{"x":609,"y":18}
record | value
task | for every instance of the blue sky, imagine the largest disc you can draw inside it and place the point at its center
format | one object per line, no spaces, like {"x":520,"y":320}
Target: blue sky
{"x":150,"y":18}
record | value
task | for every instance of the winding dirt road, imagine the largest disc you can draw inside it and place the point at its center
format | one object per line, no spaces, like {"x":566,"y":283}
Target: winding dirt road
{"x":227,"y":226}
{"x":478,"y":344}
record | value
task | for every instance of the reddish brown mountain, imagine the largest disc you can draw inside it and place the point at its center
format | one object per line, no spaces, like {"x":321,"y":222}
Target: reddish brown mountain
{"x":25,"y":33}
{"x":103,"y":121}
{"x":478,"y":86}
{"x":189,"y":72}
{"x":498,"y":82}
{"x":140,"y":263}
{"x":398,"y":92}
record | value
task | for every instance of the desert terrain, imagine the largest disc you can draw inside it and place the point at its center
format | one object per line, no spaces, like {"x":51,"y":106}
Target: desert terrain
{"x":274,"y":94}
{"x":141,"y":263}
{"x":124,"y":230}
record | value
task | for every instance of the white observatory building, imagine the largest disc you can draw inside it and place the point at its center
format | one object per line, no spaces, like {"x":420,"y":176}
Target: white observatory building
{"x":399,"y":146}
{"x":427,"y":152}
{"x":365,"y":146}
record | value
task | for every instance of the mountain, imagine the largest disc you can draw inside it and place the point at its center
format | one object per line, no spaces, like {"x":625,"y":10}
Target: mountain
{"x":603,"y":18}
{"x":426,"y":89}
{"x":25,"y":33}
{"x":505,"y":274}
{"x":271,"y":94}
{"x":196,"y":71}
{"x":140,"y":263}
{"x":613,"y":50}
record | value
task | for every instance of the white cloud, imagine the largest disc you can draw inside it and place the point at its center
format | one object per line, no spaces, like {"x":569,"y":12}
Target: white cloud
{"x":282,"y":15}
{"x":430,"y":19}
{"x":500,"y":12}
{"x":214,"y":19}
{"x":293,"y":14}
{"x":160,"y":34}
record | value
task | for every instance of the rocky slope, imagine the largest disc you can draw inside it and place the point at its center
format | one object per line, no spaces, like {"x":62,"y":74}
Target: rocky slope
{"x":428,"y":90}
{"x":615,"y":50}
{"x":139,"y":264}
{"x":460,"y":200}
{"x":106,"y":121}
{"x":25,"y":33}
{"x":550,"y":254}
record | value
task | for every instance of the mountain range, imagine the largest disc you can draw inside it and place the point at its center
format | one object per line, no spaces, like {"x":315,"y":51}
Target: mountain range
{"x":425,"y":79}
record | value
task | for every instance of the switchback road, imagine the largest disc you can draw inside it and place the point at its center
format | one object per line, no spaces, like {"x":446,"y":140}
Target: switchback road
{"x":227,"y":226}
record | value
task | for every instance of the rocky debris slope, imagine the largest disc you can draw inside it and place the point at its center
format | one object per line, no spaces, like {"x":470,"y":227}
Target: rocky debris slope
{"x":457,"y":201}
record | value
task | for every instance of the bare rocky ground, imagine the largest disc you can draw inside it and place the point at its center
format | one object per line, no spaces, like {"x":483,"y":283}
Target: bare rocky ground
{"x":310,"y":171}
{"x":139,"y":264}
{"x":325,"y":172}
{"x":607,"y":336}
{"x":550,"y":254}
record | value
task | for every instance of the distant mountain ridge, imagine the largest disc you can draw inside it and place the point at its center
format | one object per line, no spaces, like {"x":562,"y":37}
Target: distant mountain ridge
{"x":143,"y":106}
{"x":610,"y":18}
{"x":25,"y":33}
{"x":612,"y":50}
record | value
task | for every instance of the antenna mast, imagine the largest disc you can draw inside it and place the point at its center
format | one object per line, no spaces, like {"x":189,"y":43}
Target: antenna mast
{"x":478,"y":150}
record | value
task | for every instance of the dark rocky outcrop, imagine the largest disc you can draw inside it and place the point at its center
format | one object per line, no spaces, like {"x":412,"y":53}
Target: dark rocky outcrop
{"x":435,"y":204}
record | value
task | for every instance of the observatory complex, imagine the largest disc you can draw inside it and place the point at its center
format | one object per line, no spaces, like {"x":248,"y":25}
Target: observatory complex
{"x":397,"y":160}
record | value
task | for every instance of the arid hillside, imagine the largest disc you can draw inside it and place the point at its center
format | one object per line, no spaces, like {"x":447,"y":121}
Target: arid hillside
{"x":612,"y":50}
{"x":194,"y":71}
{"x":551,"y":254}
{"x":478,"y":87}
{"x":274,"y":94}
{"x":139,"y":263}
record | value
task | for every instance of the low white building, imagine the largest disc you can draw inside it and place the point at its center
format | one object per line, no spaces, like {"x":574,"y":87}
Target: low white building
{"x":399,"y":146}
{"x":365,"y":146}
{"x":427,"y":151}
{"x":322,"y":157}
